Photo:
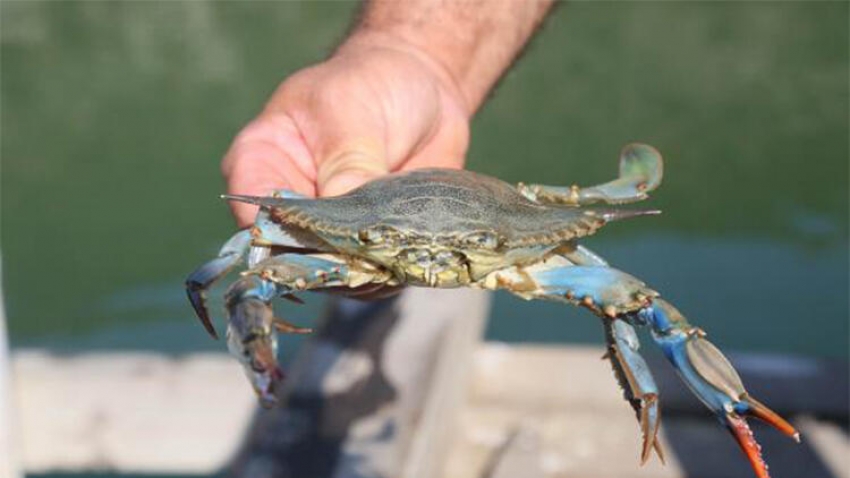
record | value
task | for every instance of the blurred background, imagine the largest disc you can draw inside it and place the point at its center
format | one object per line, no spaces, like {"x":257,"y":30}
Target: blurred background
{"x":115,"y":116}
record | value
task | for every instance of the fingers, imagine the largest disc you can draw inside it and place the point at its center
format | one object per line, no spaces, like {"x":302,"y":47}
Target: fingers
{"x":348,"y":170}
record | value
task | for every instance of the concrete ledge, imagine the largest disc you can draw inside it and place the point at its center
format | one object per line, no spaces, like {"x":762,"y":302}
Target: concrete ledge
{"x":549,"y":411}
{"x":129,"y":412}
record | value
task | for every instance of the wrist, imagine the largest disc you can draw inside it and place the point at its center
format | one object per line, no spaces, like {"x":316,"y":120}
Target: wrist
{"x":471,"y":42}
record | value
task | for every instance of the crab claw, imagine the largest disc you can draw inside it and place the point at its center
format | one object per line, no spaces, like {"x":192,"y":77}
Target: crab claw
{"x":722,"y":387}
{"x":261,"y":367}
{"x":735,"y":421}
{"x":711,"y":377}
{"x":252,"y":332}
{"x":203,"y":277}
{"x":198,"y":282}
{"x":252,"y":336}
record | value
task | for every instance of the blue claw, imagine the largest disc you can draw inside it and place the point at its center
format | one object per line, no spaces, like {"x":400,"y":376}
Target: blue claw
{"x":199,"y":281}
{"x":251,"y":336}
{"x":711,"y":377}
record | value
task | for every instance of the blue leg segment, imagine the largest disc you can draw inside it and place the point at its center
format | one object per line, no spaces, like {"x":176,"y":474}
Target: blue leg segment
{"x":604,"y":290}
{"x":203,"y":277}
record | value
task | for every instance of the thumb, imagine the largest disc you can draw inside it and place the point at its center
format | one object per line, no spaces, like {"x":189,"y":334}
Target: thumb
{"x":349,"y":169}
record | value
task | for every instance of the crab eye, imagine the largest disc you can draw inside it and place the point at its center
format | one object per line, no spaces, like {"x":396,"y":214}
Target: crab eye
{"x":483,"y":240}
{"x":370,"y":236}
{"x":376,"y":235}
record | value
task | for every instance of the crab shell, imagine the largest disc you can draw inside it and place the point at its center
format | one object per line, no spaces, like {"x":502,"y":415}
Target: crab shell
{"x":439,"y":227}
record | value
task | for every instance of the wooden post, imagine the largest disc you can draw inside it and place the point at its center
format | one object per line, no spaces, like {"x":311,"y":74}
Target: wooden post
{"x":8,"y":458}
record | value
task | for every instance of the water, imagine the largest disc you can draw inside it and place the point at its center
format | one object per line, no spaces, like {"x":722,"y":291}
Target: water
{"x":114,"y":117}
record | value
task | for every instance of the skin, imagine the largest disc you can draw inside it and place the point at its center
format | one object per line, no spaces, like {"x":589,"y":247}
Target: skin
{"x":398,"y":94}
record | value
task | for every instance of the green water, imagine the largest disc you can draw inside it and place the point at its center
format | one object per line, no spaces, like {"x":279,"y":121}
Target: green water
{"x":114,"y":116}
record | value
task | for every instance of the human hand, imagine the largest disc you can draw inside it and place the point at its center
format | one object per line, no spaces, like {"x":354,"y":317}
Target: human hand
{"x":373,"y":108}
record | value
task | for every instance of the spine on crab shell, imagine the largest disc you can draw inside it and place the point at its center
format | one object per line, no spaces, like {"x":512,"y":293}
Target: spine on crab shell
{"x":268,"y":201}
{"x":609,"y":215}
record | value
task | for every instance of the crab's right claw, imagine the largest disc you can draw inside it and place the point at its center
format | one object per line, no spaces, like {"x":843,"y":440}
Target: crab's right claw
{"x":735,"y":421}
{"x":203,"y":277}
{"x":708,"y":373}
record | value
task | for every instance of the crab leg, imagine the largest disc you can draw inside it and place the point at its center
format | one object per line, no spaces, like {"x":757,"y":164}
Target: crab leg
{"x":604,"y":290}
{"x":635,"y":378}
{"x":252,"y":326}
{"x":640,"y":172}
{"x":624,"y":299}
{"x":711,"y":377}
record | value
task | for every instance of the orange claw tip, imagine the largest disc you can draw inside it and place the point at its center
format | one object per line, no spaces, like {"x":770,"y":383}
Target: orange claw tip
{"x":760,"y":411}
{"x":744,"y":436}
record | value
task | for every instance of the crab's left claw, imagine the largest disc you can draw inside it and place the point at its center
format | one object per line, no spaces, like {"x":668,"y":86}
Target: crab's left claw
{"x":252,"y":337}
{"x":203,"y":277}
{"x":708,"y":373}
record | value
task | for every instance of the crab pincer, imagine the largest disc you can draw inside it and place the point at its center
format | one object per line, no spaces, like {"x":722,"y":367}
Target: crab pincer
{"x":203,"y":277}
{"x":710,"y":376}
{"x":252,"y":335}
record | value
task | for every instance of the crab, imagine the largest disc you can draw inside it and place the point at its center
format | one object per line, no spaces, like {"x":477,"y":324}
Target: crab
{"x":454,"y":228}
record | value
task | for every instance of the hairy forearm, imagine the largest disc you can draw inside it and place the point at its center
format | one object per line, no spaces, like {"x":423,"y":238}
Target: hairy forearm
{"x":472,"y":41}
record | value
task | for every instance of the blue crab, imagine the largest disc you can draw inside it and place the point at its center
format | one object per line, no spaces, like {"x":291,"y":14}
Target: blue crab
{"x":447,"y":228}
